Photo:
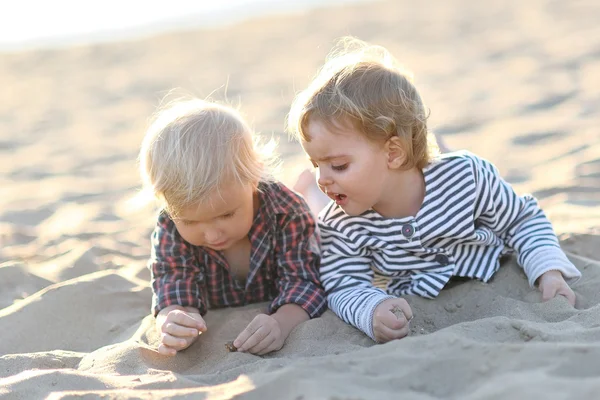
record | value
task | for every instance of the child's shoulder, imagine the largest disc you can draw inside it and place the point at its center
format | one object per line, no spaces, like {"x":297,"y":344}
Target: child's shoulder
{"x":279,"y":199}
{"x":164,"y":220}
{"x":461,"y":163}
{"x":460,"y":158}
{"x":458,"y":155}
{"x":165,"y":229}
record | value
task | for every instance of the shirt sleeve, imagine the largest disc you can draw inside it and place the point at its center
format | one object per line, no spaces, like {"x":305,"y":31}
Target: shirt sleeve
{"x":298,"y":258}
{"x":347,"y":277}
{"x":521,"y":224}
{"x":175,"y":273}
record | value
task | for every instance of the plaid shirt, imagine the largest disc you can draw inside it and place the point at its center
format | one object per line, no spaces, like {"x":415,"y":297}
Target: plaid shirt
{"x":284,"y":261}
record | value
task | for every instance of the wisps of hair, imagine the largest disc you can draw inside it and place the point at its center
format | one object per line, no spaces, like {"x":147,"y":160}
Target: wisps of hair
{"x":364,"y":86}
{"x":193,"y":147}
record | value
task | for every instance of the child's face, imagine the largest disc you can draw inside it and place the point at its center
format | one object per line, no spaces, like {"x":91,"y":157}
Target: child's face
{"x":351,"y":169}
{"x":222,"y":220}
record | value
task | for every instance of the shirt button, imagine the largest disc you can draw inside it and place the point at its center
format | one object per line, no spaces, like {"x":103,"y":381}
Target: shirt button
{"x":408,"y":230}
{"x":442,"y":259}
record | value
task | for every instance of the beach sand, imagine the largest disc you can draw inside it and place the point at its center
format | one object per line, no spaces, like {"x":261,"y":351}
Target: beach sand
{"x":516,"y":82}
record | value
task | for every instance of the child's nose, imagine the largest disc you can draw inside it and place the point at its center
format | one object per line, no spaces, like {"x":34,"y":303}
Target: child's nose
{"x":323,"y":179}
{"x":212,"y":236}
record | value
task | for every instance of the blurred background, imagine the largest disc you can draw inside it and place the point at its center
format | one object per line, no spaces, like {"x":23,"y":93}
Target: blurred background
{"x":516,"y":82}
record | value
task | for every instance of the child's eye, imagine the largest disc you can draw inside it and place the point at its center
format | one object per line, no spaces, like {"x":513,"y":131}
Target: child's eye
{"x":187,"y":223}
{"x":228,"y":215}
{"x":314,"y":164}
{"x":339,"y":167}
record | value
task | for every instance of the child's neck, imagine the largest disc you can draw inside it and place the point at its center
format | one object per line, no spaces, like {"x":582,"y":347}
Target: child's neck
{"x":404,"y":194}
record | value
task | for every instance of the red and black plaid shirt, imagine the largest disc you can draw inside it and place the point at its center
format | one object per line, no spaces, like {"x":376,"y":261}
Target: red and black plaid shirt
{"x":284,"y":261}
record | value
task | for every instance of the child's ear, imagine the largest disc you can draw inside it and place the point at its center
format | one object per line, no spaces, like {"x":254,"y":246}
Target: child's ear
{"x":396,"y":156}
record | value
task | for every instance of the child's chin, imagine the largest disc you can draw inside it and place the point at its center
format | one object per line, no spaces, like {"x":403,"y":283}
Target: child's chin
{"x":352,"y":211}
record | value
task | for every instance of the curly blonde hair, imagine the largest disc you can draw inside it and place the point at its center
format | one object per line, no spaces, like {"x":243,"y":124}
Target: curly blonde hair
{"x":363,"y":85}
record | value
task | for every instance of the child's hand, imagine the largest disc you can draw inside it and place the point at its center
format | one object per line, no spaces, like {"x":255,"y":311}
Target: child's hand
{"x":261,"y":336}
{"x":180,"y":327}
{"x":552,"y":283}
{"x":387,"y":325}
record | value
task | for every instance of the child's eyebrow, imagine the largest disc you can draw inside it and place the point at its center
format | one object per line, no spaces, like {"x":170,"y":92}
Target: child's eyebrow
{"x":328,"y":158}
{"x":228,"y":211}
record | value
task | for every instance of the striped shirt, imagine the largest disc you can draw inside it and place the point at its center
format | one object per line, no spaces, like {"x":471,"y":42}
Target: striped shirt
{"x":284,"y":261}
{"x":469,"y":218}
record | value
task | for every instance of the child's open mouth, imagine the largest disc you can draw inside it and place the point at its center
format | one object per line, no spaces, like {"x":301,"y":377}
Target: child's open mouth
{"x":339,"y":198}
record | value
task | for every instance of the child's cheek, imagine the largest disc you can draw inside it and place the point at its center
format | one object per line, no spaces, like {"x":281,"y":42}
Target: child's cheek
{"x":191,"y":235}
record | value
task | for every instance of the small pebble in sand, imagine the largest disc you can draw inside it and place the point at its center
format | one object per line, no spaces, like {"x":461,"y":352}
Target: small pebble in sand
{"x":230,"y":347}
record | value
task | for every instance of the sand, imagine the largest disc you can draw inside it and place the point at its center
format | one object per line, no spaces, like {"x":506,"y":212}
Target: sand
{"x":516,"y":82}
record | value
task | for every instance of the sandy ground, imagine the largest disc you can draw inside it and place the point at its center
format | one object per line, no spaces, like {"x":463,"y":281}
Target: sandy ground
{"x":516,"y":82}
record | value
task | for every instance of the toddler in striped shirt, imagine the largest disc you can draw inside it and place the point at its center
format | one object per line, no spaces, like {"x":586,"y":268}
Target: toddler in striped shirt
{"x":398,"y":207}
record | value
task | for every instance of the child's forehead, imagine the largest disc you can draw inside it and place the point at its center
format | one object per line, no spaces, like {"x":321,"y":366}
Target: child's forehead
{"x":335,"y":125}
{"x":324,"y":133}
{"x":223,"y":200}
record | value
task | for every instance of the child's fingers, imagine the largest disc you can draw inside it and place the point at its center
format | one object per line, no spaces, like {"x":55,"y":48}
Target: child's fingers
{"x":263,"y":346}
{"x":200,"y":323}
{"x":393,"y":322}
{"x":166,"y":350}
{"x":187,"y":319}
{"x":549,"y":292}
{"x":399,"y":316}
{"x":385,"y":334}
{"x":174,"y":342}
{"x":569,"y":294}
{"x":254,"y":339}
{"x":405,"y":307}
{"x":252,"y":327}
{"x":178,"y":330}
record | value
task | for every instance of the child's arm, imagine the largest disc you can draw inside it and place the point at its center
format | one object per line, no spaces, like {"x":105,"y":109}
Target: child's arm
{"x":347,"y":278}
{"x":176,"y":300}
{"x":520,"y":222}
{"x":298,"y":259}
{"x":300,"y":294}
{"x":288,"y":316}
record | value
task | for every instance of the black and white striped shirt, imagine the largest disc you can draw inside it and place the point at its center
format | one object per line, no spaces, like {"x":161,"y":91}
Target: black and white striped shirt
{"x":469,"y":217}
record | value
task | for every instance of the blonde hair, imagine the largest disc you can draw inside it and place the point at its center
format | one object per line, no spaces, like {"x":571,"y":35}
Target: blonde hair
{"x":193,"y":147}
{"x":363,"y":85}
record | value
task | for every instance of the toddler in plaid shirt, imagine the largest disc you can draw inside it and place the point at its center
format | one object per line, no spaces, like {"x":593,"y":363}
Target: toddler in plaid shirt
{"x":227,"y":234}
